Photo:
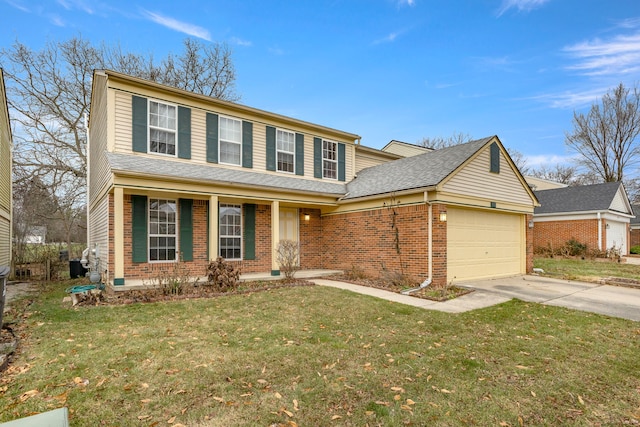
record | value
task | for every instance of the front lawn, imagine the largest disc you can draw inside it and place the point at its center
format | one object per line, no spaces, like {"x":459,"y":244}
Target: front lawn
{"x":316,"y":356}
{"x":590,"y":270}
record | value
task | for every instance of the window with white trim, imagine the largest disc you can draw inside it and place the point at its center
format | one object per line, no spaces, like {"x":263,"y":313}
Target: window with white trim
{"x":230,"y":231}
{"x":230,"y":141}
{"x":162,"y":128}
{"x":162,"y":230}
{"x":329,"y":159}
{"x":285,"y":149}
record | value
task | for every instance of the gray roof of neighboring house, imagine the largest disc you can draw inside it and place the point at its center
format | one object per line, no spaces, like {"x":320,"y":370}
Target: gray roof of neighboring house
{"x":198,"y":172}
{"x":423,"y":170}
{"x":636,"y":212}
{"x":595,"y":197}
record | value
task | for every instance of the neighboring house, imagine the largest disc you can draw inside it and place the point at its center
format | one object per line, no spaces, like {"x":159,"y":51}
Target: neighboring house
{"x":634,"y":234}
{"x":538,"y":184}
{"x":176,"y":175}
{"x":597,"y":215}
{"x":36,"y":235}
{"x":5,"y":178}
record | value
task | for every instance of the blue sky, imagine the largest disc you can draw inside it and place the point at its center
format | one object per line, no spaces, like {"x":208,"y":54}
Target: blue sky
{"x":384,"y":69}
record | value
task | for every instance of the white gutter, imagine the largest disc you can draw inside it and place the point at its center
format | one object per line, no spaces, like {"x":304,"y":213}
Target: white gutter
{"x":429,"y":278}
{"x":599,"y":232}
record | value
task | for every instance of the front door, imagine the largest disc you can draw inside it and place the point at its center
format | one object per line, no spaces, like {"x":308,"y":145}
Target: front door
{"x":289,"y":224}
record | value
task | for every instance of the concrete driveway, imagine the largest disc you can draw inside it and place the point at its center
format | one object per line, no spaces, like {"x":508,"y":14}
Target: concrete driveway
{"x":603,"y":299}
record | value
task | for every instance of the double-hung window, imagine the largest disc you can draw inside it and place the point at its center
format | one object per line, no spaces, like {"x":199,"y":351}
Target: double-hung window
{"x":230,"y":231}
{"x":162,"y":128}
{"x":162,"y":230}
{"x":329,"y":159}
{"x":285,"y":149}
{"x":230,"y":141}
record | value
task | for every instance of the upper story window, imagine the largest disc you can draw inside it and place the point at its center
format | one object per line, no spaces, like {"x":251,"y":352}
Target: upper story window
{"x":285,"y":149}
{"x":230,"y":141}
{"x":329,"y":159}
{"x":162,"y":128}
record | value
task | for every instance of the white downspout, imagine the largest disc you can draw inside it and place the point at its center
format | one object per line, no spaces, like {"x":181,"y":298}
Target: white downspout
{"x":599,"y":232}
{"x":429,"y":278}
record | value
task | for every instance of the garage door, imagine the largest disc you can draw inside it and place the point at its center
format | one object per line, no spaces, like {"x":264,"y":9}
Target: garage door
{"x":617,"y":236}
{"x":482,"y":244}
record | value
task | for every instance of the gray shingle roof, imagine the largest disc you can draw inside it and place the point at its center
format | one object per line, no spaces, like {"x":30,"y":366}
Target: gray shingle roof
{"x":596,"y":197}
{"x":198,"y":172}
{"x":636,"y":212}
{"x":423,"y":170}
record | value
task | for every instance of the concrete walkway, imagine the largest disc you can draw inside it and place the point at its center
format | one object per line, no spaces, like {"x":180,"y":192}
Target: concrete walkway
{"x":602,"y":299}
{"x":471,"y":301}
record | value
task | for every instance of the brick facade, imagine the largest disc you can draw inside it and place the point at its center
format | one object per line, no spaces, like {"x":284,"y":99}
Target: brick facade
{"x":634,"y":238}
{"x":376,"y":242}
{"x":556,"y":234}
{"x":367,"y":241}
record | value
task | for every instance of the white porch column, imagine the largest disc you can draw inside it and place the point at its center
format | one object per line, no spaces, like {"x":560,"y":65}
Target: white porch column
{"x":118,"y":235}
{"x":213,"y":227}
{"x":275,"y":236}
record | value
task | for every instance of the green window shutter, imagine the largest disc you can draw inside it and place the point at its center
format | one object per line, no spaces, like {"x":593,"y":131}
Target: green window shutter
{"x":139,"y":228}
{"x":139,"y":124}
{"x":317,"y":157}
{"x":184,"y":132}
{"x":186,"y":229}
{"x":247,"y":144}
{"x":341,"y":162}
{"x":299,"y":154}
{"x":249,"y":231}
{"x":495,"y":158}
{"x":271,"y":148}
{"x":212,"y":138}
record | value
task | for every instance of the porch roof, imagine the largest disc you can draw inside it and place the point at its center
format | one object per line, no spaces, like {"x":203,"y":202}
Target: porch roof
{"x":163,"y":169}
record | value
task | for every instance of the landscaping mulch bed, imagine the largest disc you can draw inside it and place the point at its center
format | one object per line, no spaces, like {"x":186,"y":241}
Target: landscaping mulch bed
{"x":188,"y":292}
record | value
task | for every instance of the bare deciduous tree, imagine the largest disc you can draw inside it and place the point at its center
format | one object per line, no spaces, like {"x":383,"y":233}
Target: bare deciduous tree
{"x":49,"y":92}
{"x":606,"y":137}
{"x":439,"y":142}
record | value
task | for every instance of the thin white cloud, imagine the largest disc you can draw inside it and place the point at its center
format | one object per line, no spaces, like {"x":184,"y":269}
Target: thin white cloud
{"x":174,"y":24}
{"x":618,"y":55}
{"x":535,"y":161}
{"x":570,"y":99}
{"x":410,"y":3}
{"x":56,"y":20}
{"x":391,"y":37}
{"x":240,"y":42}
{"x":18,"y":5}
{"x":520,"y":5}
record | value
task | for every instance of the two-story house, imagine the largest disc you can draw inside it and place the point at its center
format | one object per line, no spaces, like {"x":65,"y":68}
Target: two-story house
{"x":5,"y":178}
{"x":177,"y":175}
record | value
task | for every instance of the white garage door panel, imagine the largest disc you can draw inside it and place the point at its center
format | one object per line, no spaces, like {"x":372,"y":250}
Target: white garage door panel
{"x":483,"y":244}
{"x":617,"y":236}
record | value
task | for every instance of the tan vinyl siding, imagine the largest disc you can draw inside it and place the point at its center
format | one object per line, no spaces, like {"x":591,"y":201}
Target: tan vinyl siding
{"x":475,"y":180}
{"x":5,"y":178}
{"x":5,"y":151}
{"x":123,"y":122}
{"x":198,"y":136}
{"x":122,"y":130}
{"x":364,"y":161}
{"x":260,"y":146}
{"x":5,"y":242}
{"x":99,"y":229}
{"x":98,"y":137}
{"x":405,"y":150}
